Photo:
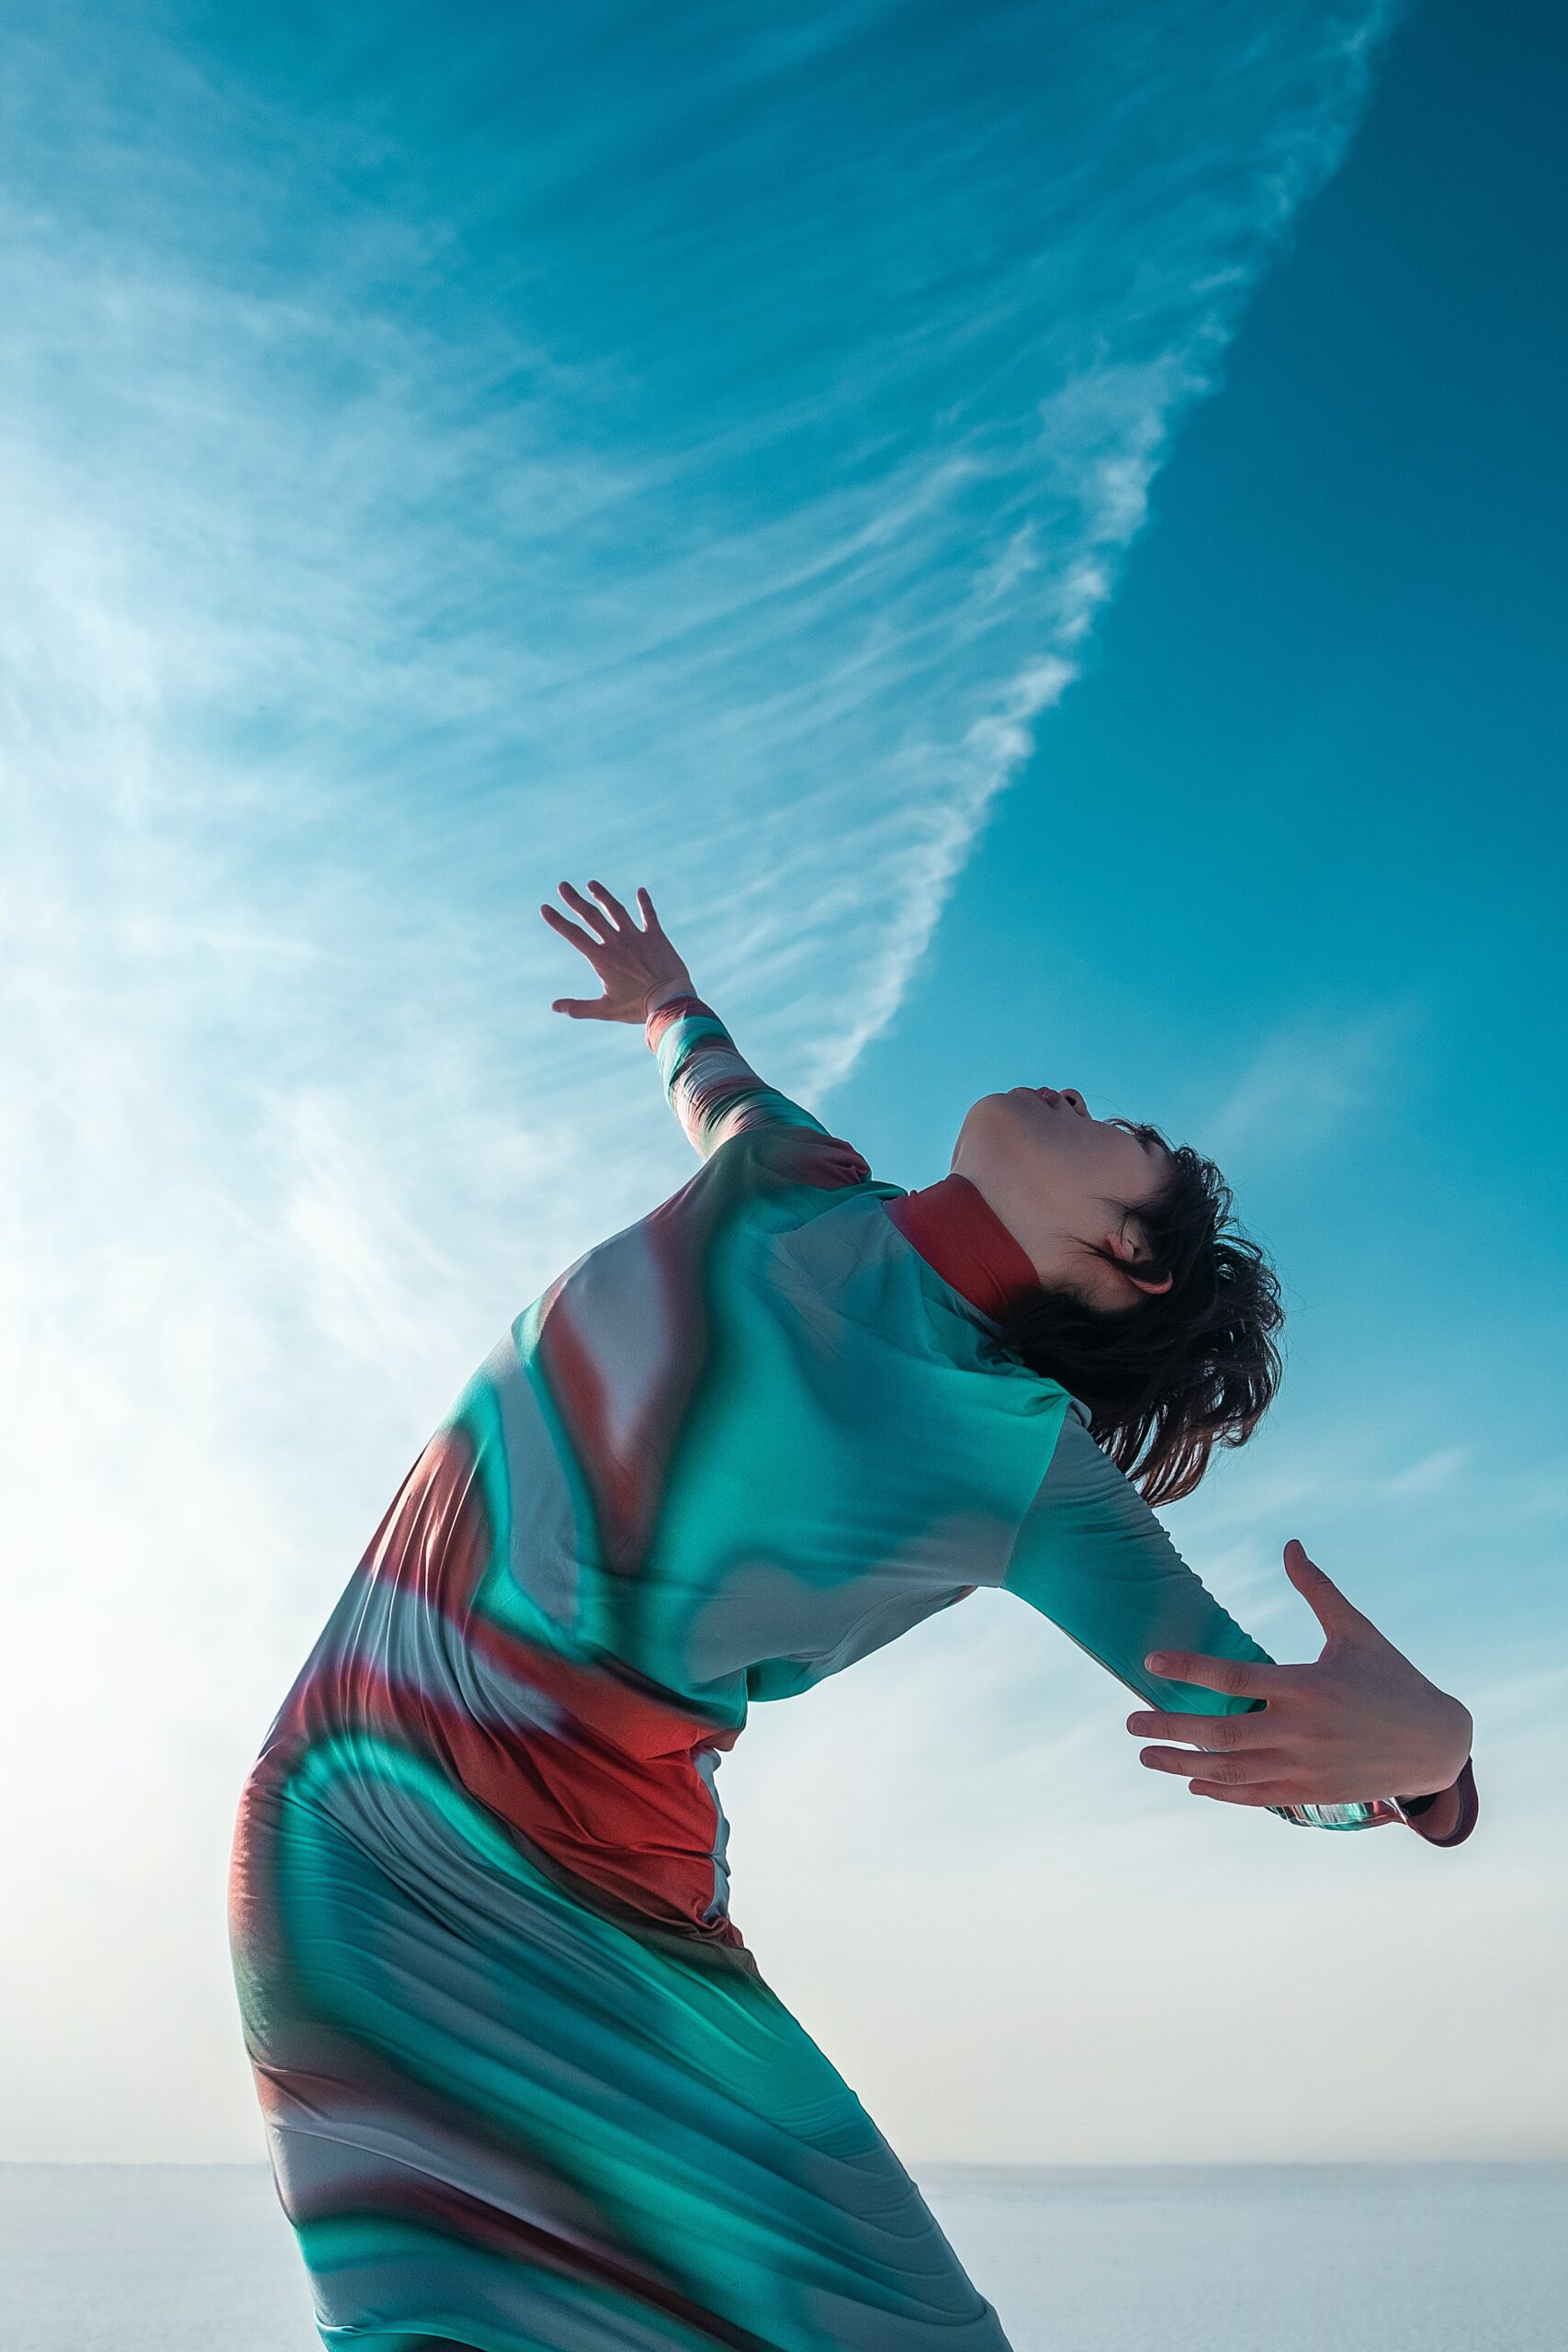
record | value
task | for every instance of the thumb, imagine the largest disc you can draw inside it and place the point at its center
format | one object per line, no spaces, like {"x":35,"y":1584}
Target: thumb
{"x":1322,"y":1595}
{"x":581,"y":1008}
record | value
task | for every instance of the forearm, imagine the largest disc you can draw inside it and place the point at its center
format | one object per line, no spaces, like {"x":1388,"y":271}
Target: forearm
{"x":1299,"y":1742}
{"x":711,"y":1088}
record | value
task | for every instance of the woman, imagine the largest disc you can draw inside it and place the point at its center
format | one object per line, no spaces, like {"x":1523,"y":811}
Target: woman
{"x":524,"y":2085}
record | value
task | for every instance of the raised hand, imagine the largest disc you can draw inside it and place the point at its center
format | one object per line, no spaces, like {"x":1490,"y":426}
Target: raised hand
{"x":1361,"y":1722}
{"x":636,"y":964}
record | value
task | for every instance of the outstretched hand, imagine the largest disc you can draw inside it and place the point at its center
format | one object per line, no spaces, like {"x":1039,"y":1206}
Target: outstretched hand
{"x":1361,"y":1722}
{"x":636,"y":964}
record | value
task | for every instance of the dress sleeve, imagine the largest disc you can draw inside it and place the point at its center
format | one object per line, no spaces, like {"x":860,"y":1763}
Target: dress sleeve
{"x":713,"y":1092}
{"x":1092,"y":1555}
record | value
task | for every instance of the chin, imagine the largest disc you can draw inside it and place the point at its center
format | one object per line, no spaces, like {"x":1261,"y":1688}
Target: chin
{"x":979,"y":1116}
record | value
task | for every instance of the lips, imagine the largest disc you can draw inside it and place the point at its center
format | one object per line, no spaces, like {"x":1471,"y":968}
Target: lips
{"x":1048,"y":1094}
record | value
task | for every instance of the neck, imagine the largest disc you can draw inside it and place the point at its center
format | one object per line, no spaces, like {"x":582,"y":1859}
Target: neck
{"x":958,"y":1233}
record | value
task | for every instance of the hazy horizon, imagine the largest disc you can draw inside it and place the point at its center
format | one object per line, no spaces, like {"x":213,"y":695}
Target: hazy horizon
{"x":1405,"y":2259}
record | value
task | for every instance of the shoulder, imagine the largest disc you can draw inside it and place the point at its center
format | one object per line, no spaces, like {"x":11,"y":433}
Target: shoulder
{"x":1082,"y":1472}
{"x":789,"y":1153}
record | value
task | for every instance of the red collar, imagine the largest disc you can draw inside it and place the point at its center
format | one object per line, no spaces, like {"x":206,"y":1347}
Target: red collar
{"x":956,"y":1231}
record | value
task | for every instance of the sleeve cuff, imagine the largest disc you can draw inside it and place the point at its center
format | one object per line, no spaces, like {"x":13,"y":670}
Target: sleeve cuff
{"x":673,"y":1007}
{"x":1440,"y":1824}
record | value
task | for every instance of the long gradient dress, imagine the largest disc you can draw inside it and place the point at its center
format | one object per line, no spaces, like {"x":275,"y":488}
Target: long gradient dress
{"x":522,"y":2084}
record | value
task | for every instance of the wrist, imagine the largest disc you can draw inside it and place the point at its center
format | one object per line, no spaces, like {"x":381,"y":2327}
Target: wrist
{"x":1452,"y":1752}
{"x":665,"y":994}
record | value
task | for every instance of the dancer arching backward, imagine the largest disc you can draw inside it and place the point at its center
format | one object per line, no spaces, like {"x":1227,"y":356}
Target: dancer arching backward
{"x":522,"y":2082}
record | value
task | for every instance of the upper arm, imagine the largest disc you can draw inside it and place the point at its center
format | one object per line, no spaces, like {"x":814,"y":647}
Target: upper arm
{"x":1092,"y":1555}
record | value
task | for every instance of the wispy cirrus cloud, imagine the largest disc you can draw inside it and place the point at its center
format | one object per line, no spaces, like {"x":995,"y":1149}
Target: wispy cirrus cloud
{"x":1314,"y":1072}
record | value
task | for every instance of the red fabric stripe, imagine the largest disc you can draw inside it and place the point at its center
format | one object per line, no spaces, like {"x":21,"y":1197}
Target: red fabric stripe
{"x":606,"y":1783}
{"x":956,"y":1231}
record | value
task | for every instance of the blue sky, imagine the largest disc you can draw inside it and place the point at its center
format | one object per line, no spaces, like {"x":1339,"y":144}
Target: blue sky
{"x":1033,"y":531}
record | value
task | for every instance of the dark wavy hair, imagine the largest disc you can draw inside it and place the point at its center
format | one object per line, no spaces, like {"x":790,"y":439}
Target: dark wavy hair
{"x":1181,"y":1370}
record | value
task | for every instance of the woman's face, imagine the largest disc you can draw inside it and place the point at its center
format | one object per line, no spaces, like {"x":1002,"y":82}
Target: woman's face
{"x":1066,"y":1185}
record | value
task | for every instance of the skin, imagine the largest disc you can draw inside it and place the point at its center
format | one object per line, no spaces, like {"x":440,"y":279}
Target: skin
{"x":1361,"y":1717}
{"x":1067,"y":1187}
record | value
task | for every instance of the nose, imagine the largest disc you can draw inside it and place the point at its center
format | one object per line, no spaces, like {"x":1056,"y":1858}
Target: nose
{"x":1070,"y":1094}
